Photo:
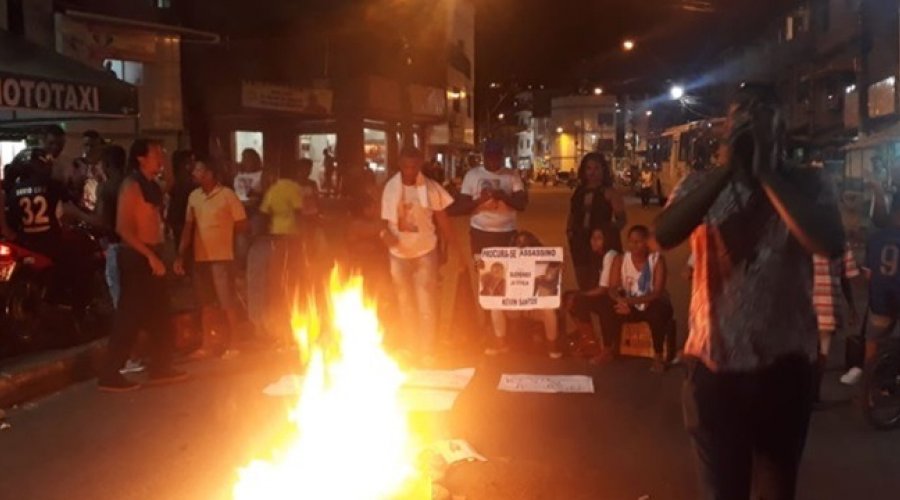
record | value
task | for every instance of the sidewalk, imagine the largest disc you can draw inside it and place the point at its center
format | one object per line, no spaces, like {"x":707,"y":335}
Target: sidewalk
{"x":39,"y":374}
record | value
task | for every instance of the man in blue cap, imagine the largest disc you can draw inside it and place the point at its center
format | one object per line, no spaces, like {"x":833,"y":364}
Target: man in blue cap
{"x":493,"y":195}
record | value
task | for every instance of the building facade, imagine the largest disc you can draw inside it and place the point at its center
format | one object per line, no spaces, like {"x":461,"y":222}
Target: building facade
{"x":407,"y":78}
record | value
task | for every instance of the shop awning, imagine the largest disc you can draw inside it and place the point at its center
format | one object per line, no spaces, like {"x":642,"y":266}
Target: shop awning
{"x":39,"y":85}
{"x":890,"y":134}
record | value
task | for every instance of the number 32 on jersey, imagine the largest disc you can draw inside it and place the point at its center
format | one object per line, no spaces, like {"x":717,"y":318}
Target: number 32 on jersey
{"x":34,"y":213}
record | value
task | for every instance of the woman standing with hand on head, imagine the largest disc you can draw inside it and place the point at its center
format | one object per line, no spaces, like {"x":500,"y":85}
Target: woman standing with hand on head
{"x":595,"y":204}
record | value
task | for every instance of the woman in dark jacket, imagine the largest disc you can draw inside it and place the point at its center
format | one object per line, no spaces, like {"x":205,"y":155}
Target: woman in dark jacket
{"x":595,"y":204}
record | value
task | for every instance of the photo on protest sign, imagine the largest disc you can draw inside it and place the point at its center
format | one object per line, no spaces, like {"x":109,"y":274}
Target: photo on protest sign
{"x":520,"y":278}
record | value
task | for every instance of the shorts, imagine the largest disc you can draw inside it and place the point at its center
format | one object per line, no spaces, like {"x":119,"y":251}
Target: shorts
{"x":214,"y":283}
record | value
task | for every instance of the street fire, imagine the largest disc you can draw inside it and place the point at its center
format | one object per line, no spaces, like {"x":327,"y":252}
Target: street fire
{"x":352,"y":439}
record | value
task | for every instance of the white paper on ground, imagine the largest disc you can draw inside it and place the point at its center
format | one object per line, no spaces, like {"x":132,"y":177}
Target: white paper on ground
{"x":521,"y":382}
{"x":427,"y":400}
{"x":456,"y":450}
{"x":288,"y":385}
{"x":440,"y":379}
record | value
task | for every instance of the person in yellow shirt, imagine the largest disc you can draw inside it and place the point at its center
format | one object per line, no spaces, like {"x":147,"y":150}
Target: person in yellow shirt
{"x":283,"y":202}
{"x":282,"y":205}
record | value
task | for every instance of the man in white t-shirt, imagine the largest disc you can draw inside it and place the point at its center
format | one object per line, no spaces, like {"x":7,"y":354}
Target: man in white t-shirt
{"x":214,"y":215}
{"x":493,"y":195}
{"x":414,"y":208}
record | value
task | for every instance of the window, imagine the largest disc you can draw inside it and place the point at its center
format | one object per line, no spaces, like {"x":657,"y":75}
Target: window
{"x":244,"y":139}
{"x":128,"y":71}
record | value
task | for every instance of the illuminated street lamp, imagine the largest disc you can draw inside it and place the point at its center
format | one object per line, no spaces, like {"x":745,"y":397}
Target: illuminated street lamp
{"x":649,"y":112}
{"x":500,"y":116}
{"x":598,"y":90}
{"x":676,"y":92}
{"x":628,"y":45}
{"x":559,"y":130}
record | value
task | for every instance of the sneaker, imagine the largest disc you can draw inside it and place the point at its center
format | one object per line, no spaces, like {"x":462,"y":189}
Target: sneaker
{"x":553,"y":350}
{"x":166,"y":376}
{"x":117,"y":383}
{"x":498,"y":346}
{"x":852,"y":377}
{"x":132,"y":366}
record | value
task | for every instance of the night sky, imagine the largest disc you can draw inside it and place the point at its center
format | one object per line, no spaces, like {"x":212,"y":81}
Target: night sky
{"x":557,"y":43}
{"x":560,"y":42}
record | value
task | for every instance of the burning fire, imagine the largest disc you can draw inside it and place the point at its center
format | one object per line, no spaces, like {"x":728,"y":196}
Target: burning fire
{"x":352,"y":440}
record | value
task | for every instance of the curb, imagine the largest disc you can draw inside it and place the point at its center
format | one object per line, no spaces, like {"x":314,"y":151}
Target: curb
{"x":35,"y":378}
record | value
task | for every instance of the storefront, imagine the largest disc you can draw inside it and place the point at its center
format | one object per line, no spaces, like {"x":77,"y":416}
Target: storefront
{"x":40,"y":87}
{"x":357,"y":125}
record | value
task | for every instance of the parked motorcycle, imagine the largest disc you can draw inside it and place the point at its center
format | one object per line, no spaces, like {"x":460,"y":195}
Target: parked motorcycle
{"x":37,"y":309}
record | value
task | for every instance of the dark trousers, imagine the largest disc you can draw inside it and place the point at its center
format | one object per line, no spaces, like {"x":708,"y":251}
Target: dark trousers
{"x":646,"y":193}
{"x":749,"y":429}
{"x":661,"y":318}
{"x":602,"y":306}
{"x":143,"y":306}
{"x":480,"y":240}
{"x":587,"y":276}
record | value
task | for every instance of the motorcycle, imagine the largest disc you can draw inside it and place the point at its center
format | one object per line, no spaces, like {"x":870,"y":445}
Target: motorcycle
{"x":38,"y":310}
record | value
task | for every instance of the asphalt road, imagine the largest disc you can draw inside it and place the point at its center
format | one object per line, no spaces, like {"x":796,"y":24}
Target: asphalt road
{"x":623,"y":442}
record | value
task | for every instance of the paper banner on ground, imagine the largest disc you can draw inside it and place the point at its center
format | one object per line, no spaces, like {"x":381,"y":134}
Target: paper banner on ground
{"x":440,"y":379}
{"x":456,"y":450}
{"x":550,"y":384}
{"x":423,"y":399}
{"x":513,"y":278}
{"x":288,"y":385}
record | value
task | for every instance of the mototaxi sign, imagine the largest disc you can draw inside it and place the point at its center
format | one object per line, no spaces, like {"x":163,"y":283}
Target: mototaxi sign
{"x":17,"y":92}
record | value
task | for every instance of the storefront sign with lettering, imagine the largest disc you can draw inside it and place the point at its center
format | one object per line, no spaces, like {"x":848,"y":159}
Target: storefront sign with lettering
{"x":46,"y":95}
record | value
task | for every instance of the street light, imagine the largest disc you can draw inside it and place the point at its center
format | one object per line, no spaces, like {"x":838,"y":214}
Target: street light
{"x":500,"y":116}
{"x":598,"y":90}
{"x":649,"y":112}
{"x":628,"y":45}
{"x":559,"y":130}
{"x":676,"y":92}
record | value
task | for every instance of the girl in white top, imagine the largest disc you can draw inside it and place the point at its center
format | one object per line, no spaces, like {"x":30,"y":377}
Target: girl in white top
{"x":581,"y":304}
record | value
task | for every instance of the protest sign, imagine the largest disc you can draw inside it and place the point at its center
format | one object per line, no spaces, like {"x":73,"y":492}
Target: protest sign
{"x":511,"y":278}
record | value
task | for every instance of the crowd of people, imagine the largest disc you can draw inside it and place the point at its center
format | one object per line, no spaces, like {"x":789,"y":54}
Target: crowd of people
{"x":252,"y":242}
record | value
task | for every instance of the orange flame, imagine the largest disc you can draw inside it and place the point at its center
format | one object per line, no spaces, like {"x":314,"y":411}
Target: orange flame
{"x":353,"y":439}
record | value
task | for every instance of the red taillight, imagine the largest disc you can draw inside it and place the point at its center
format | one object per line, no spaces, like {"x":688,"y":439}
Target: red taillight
{"x":7,"y":262}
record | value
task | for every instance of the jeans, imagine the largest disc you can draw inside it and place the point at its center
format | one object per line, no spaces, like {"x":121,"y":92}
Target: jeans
{"x":258,"y":258}
{"x":143,"y":306}
{"x":112,"y":272}
{"x":416,"y":282}
{"x":749,"y":429}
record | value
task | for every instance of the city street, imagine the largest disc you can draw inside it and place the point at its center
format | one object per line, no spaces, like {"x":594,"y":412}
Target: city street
{"x":626,"y":441}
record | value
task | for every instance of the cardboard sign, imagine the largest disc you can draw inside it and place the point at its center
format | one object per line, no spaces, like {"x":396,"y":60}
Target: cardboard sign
{"x":511,"y":278}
